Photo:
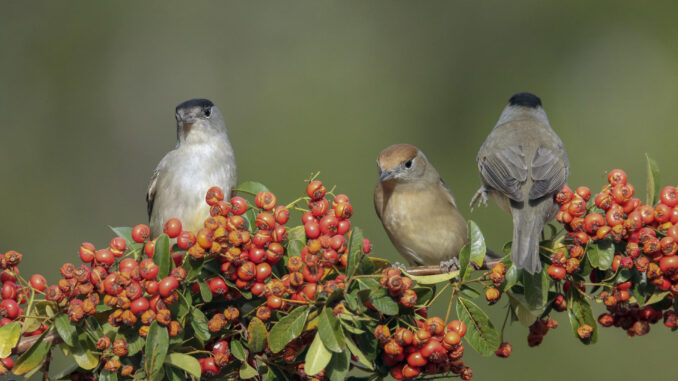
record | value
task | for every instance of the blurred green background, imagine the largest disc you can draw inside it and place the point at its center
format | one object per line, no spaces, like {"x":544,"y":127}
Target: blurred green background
{"x":88,"y":90}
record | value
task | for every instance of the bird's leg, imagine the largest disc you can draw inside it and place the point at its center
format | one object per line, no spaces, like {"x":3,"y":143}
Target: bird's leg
{"x":398,"y":266}
{"x":480,"y":198}
{"x":449,"y":266}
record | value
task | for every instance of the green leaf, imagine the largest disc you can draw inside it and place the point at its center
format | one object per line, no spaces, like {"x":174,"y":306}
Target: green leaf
{"x":317,"y":357}
{"x":257,"y":335}
{"x":205,"y":292}
{"x":157,"y":343}
{"x":185,"y":362}
{"x":193,"y":268}
{"x":601,"y":254}
{"x":477,"y":243}
{"x":355,"y":248}
{"x":65,"y":374}
{"x":523,"y":312}
{"x":383,"y":302}
{"x":330,"y":331}
{"x":251,"y":187}
{"x":338,"y":368}
{"x":424,"y":294}
{"x":247,"y":371}
{"x":536,"y":288}
{"x":464,"y":259}
{"x":65,"y":329}
{"x":107,"y":376}
{"x":296,"y":240}
{"x":359,"y":354}
{"x":33,"y":357}
{"x":83,"y":352}
{"x":199,"y":324}
{"x":161,"y":255}
{"x":287,"y":329}
{"x":656,"y":298}
{"x":652,"y":186}
{"x":579,"y":312}
{"x":124,"y":232}
{"x":432,"y":279}
{"x":174,"y":374}
{"x":9,"y":337}
{"x":481,"y":334}
{"x":238,"y":350}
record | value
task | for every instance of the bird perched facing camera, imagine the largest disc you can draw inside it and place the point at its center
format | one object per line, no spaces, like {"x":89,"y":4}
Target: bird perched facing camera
{"x":417,"y":209}
{"x":202,"y":158}
{"x":522,"y":165}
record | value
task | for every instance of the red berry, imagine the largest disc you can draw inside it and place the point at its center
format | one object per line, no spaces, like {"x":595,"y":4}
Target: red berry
{"x":556,"y":272}
{"x":457,"y":326}
{"x":415,"y":359}
{"x":312,"y":229}
{"x":616,"y":176}
{"x":669,"y":196}
{"x":208,"y":367}
{"x":316,"y":190}
{"x":172,"y":227}
{"x":238,"y":205}
{"x":218,"y":286}
{"x":140,"y":233}
{"x":265,"y":200}
{"x":139,"y":306}
{"x":583,"y":192}
{"x":9,"y":309}
{"x":186,"y":239}
{"x":148,"y":269}
{"x":86,"y":252}
{"x":247,"y":271}
{"x":127,"y":265}
{"x":214,"y":195}
{"x":668,"y":263}
{"x":38,"y":282}
{"x":167,"y":285}
{"x":274,"y":302}
{"x":263,"y":271}
{"x":118,"y":246}
{"x":149,"y":249}
{"x":104,"y":257}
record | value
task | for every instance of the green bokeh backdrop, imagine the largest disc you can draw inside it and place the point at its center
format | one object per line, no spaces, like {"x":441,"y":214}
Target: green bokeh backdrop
{"x":88,"y":90}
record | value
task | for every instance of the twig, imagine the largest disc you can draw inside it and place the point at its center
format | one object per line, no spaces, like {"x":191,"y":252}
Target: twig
{"x":27,"y":342}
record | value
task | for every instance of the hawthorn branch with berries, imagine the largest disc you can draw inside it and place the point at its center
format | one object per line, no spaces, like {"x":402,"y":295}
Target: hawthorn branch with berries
{"x":253,"y":296}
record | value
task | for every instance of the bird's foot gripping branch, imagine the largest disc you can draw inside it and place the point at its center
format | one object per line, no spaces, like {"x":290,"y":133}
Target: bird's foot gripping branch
{"x":254,"y":296}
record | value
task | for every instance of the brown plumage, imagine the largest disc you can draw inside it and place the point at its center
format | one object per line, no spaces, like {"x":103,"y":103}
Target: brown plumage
{"x":416,"y":208}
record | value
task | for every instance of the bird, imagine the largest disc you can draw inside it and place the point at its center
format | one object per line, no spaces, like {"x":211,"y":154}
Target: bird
{"x":522,"y":165}
{"x":417,"y":208}
{"x":202,"y":158}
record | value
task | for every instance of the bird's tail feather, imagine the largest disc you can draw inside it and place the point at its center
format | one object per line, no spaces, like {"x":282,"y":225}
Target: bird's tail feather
{"x":525,"y":247}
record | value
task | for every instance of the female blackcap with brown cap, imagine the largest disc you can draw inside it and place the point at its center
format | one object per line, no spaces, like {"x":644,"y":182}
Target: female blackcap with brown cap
{"x":417,"y":209}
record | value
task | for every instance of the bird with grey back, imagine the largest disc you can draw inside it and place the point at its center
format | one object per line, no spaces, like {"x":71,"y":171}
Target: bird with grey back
{"x":202,"y":158}
{"x":522,"y":165}
{"x":417,"y":209}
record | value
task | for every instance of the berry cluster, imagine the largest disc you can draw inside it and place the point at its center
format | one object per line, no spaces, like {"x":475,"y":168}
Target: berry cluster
{"x":398,"y":287}
{"x":430,"y":349}
{"x":635,"y":245}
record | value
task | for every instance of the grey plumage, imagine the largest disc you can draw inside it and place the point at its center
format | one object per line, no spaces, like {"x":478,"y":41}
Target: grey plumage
{"x":202,"y":158}
{"x":522,"y":164}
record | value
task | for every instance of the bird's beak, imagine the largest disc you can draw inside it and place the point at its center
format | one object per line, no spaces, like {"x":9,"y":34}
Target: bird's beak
{"x":188,"y":120}
{"x":386,"y":175}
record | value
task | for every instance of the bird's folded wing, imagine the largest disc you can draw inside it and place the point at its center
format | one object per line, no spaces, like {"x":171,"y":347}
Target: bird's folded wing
{"x":549,"y":173}
{"x":505,"y":171}
{"x":150,"y":194}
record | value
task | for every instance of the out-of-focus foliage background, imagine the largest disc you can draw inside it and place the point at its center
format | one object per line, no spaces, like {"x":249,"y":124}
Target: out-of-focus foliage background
{"x":88,"y":90}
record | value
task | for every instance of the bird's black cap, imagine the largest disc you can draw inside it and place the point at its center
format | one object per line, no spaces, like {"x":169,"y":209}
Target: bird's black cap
{"x":526,"y":100}
{"x":198,"y":102}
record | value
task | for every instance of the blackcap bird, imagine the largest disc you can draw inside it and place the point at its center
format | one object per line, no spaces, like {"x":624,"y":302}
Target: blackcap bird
{"x":417,"y":209}
{"x":202,"y":158}
{"x":522,"y":165}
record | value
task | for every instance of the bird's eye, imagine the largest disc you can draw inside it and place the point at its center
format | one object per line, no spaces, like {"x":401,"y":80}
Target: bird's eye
{"x":408,"y":164}
{"x":208,"y":112}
